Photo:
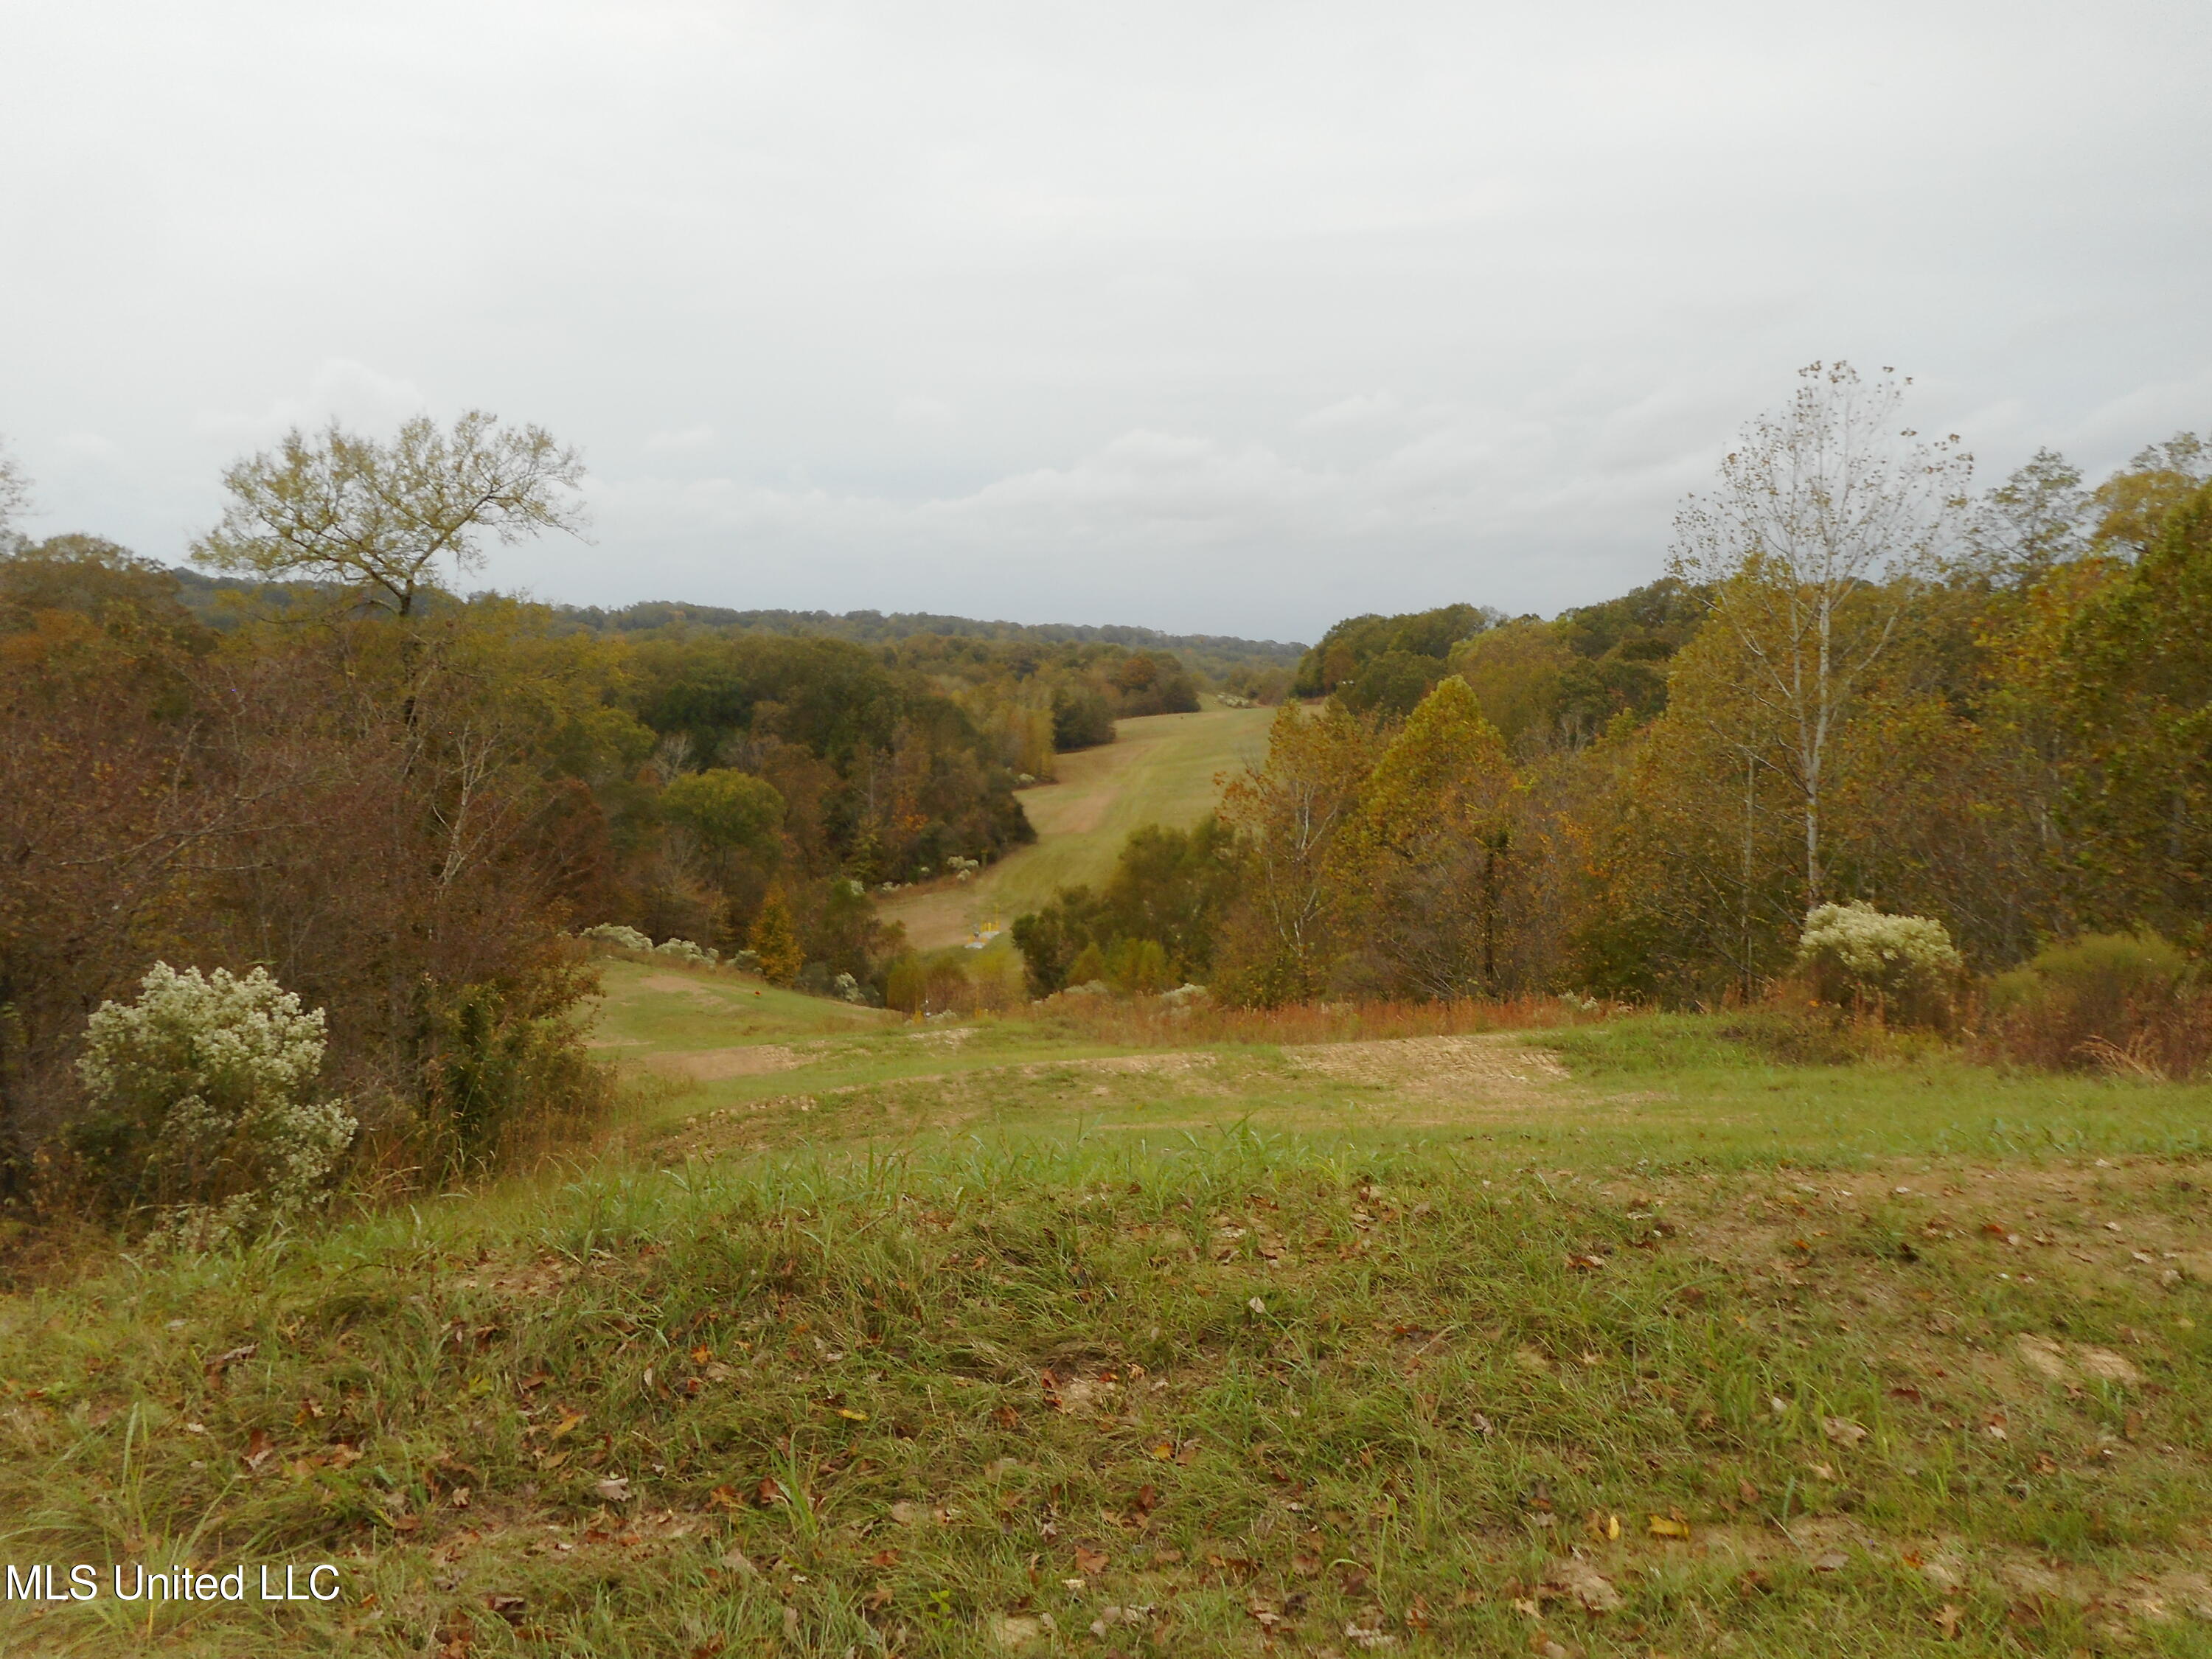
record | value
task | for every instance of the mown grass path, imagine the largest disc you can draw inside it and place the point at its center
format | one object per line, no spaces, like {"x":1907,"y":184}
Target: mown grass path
{"x":1160,"y":768}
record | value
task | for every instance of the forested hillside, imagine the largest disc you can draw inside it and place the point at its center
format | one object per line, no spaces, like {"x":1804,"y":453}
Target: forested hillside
{"x":1860,"y":684}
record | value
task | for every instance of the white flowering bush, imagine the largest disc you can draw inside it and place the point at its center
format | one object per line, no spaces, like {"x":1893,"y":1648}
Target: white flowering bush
{"x":684,"y":950}
{"x":613,"y":933}
{"x":201,"y":1097}
{"x":1903,"y":966}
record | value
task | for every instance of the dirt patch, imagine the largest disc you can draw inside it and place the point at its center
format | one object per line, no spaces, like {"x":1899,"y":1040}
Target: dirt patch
{"x":677,"y":983}
{"x":713,"y":1065}
{"x":950,"y":1037}
{"x":1486,"y":1070}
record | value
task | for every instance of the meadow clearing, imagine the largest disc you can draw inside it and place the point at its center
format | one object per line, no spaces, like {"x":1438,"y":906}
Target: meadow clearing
{"x":1160,"y":768}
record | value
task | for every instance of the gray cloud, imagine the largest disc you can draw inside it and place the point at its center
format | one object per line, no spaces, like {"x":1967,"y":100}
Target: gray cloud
{"x":1235,"y":318}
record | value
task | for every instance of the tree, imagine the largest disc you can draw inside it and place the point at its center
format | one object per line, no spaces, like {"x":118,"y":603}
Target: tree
{"x":2024,"y":528}
{"x":2135,"y":501}
{"x":728,"y":810}
{"x":2137,"y":673}
{"x":1821,"y":513}
{"x":1425,"y":860}
{"x":15,"y":494}
{"x":1287,"y":813}
{"x":379,"y":517}
{"x":776,"y":941}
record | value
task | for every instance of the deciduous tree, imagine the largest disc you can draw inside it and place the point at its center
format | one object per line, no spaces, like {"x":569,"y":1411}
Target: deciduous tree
{"x":1821,"y":513}
{"x":380,"y":518}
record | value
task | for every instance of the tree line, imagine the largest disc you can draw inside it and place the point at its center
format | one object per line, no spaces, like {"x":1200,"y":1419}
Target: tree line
{"x":1858,"y":681}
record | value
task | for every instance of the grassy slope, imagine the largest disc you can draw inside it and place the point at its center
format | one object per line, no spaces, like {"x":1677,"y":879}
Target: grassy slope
{"x":1159,"y":769}
{"x":927,"y":1343}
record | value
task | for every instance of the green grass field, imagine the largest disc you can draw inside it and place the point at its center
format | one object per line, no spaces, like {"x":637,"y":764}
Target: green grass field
{"x":1161,"y":769}
{"x":859,"y":1337}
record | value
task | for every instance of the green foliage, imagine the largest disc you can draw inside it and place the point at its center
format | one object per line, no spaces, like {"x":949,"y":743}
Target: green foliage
{"x":380,"y":517}
{"x":2126,"y":1003}
{"x":1051,"y":939}
{"x":1343,"y":653}
{"x":1081,"y":717}
{"x":729,"y":811}
{"x":507,"y":1076}
{"x":94,"y":578}
{"x":1391,"y":684}
{"x":1170,"y":890}
{"x":2098,"y":973}
{"x":2138,"y":687}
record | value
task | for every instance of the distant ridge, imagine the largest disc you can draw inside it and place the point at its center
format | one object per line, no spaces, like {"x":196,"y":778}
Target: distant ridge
{"x":875,"y":627}
{"x":208,"y":597}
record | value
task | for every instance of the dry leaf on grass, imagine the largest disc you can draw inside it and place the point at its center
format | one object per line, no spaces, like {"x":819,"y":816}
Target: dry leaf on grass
{"x":1669,"y":1526}
{"x":1843,"y":1431}
{"x":1576,"y":1577}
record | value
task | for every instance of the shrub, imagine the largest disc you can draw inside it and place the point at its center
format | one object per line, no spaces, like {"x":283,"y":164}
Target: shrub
{"x":776,"y":941}
{"x":1900,"y":967}
{"x":507,"y":1073}
{"x":200,"y":1101}
{"x":2118,"y":1002}
{"x":613,"y":934}
{"x":684,"y":950}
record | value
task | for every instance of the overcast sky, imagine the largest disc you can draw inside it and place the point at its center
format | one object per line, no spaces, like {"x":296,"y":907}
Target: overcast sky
{"x":1234,"y":318}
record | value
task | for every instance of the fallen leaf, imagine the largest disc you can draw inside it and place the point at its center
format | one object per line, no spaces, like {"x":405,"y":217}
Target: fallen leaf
{"x":1370,"y":1637}
{"x":509,"y":1607}
{"x":726,"y":1497}
{"x":1843,"y":1431}
{"x":852,"y":1416}
{"x":615,"y":1488}
{"x":909,"y":1513}
{"x":1669,"y":1526}
{"x":883,"y":1559}
{"x":1148,"y":1497}
{"x":1575,"y":1576}
{"x":769,"y":1491}
{"x":570,"y":1420}
{"x":258,"y":1448}
{"x":1946,"y":1618}
{"x":739,"y":1563}
{"x":1014,"y":1630}
{"x":1089,"y":1561}
{"x":1831,"y":1561}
